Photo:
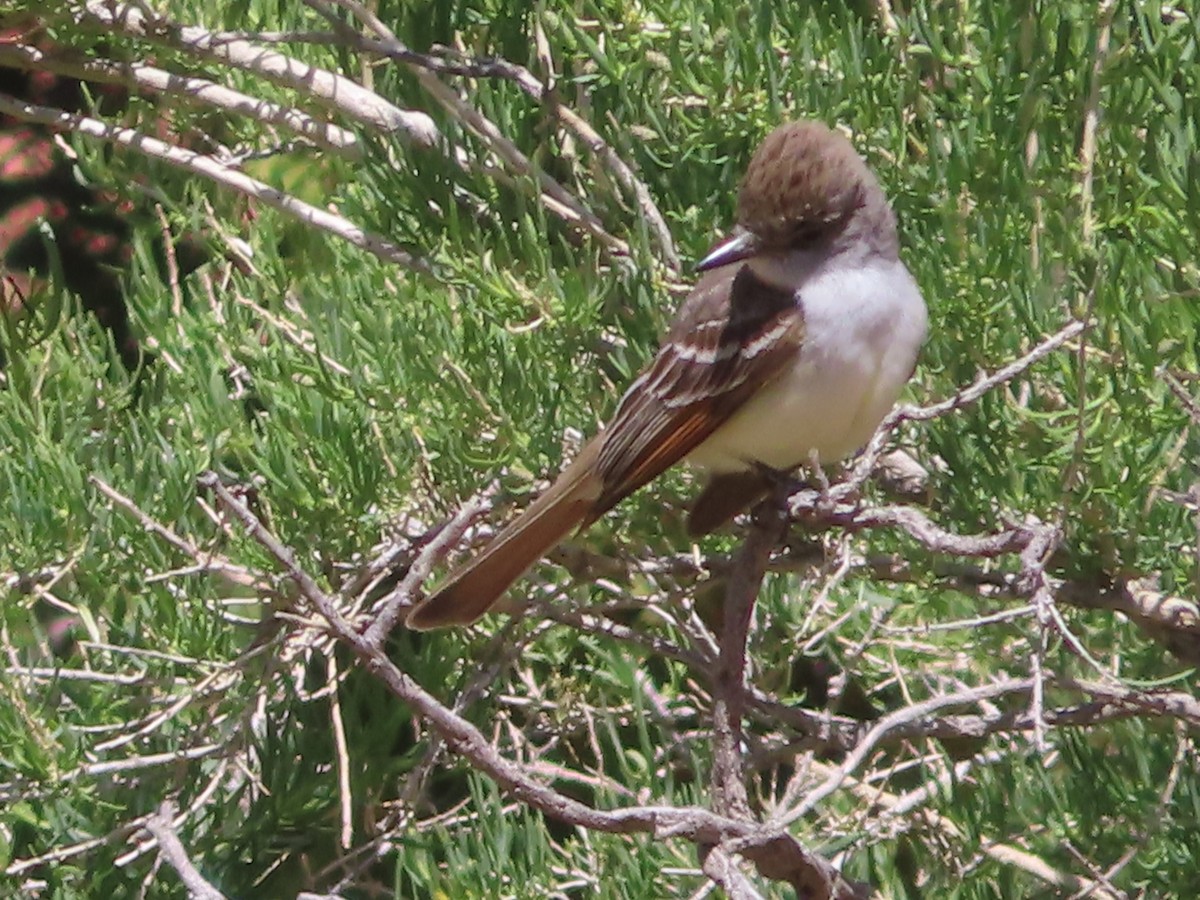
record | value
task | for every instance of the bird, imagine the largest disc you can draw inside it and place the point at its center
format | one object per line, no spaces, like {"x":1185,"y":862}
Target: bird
{"x":795,"y":342}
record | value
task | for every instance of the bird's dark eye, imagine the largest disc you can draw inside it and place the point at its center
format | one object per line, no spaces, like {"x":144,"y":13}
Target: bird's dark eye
{"x":806,"y":232}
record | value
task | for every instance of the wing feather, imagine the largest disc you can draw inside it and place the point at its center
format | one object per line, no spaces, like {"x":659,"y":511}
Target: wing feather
{"x":734,"y":334}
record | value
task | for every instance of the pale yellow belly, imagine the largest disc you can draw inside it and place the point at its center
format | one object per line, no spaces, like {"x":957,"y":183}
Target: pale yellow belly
{"x":863,"y":332}
{"x":798,"y":415}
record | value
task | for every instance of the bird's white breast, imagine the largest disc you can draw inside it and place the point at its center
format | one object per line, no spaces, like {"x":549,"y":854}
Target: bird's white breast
{"x":864,"y":325}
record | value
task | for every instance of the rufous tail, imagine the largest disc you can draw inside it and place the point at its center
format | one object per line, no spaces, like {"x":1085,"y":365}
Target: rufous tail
{"x":473,"y":589}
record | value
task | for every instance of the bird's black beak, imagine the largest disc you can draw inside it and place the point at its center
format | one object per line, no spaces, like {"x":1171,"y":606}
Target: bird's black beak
{"x":737,"y":246}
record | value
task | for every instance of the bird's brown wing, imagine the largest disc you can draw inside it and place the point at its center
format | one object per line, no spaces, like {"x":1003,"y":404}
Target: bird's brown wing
{"x":734,"y":334}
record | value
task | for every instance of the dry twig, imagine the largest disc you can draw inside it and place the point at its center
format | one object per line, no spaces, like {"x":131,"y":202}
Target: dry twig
{"x":213,"y":169}
{"x":776,"y":854}
{"x":172,"y":850}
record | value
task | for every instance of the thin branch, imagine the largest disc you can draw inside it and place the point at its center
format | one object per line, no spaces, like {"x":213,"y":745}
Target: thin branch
{"x":149,"y":761}
{"x":561,"y":201}
{"x":395,"y":603}
{"x":1091,"y":120}
{"x":173,"y":852}
{"x":986,"y":382}
{"x":70,"y":851}
{"x":893,"y":720}
{"x":342,"y":753}
{"x":213,"y":169}
{"x":200,"y":801}
{"x":335,"y":90}
{"x":210,"y":562}
{"x":457,"y":64}
{"x":140,"y":76}
{"x":771,"y":850}
{"x":1176,"y":704}
{"x":722,"y":868}
{"x":895,"y":807}
{"x":729,"y":684}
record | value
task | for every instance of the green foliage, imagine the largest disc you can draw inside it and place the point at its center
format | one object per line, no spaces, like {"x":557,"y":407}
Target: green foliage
{"x":347,"y":398}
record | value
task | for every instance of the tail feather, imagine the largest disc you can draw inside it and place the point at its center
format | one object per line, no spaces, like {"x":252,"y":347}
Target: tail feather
{"x":474,"y":589}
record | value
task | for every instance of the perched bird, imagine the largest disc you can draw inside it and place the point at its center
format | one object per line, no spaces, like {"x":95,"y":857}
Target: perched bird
{"x":794,"y":344}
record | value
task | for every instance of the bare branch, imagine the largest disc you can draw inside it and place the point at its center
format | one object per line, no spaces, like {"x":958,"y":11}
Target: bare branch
{"x":236,"y":574}
{"x":141,"y":76}
{"x":771,"y":850}
{"x":341,"y":93}
{"x":446,"y":537}
{"x":723,"y":869}
{"x":456,"y":64}
{"x":557,"y":198}
{"x":729,"y":684}
{"x":905,"y":715}
{"x":986,"y":382}
{"x":173,"y":852}
{"x":209,"y":167}
{"x":1186,"y":400}
{"x":1091,"y":119}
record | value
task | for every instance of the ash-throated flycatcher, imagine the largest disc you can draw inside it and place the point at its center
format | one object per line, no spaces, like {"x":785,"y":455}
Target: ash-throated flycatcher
{"x":795,"y":343}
